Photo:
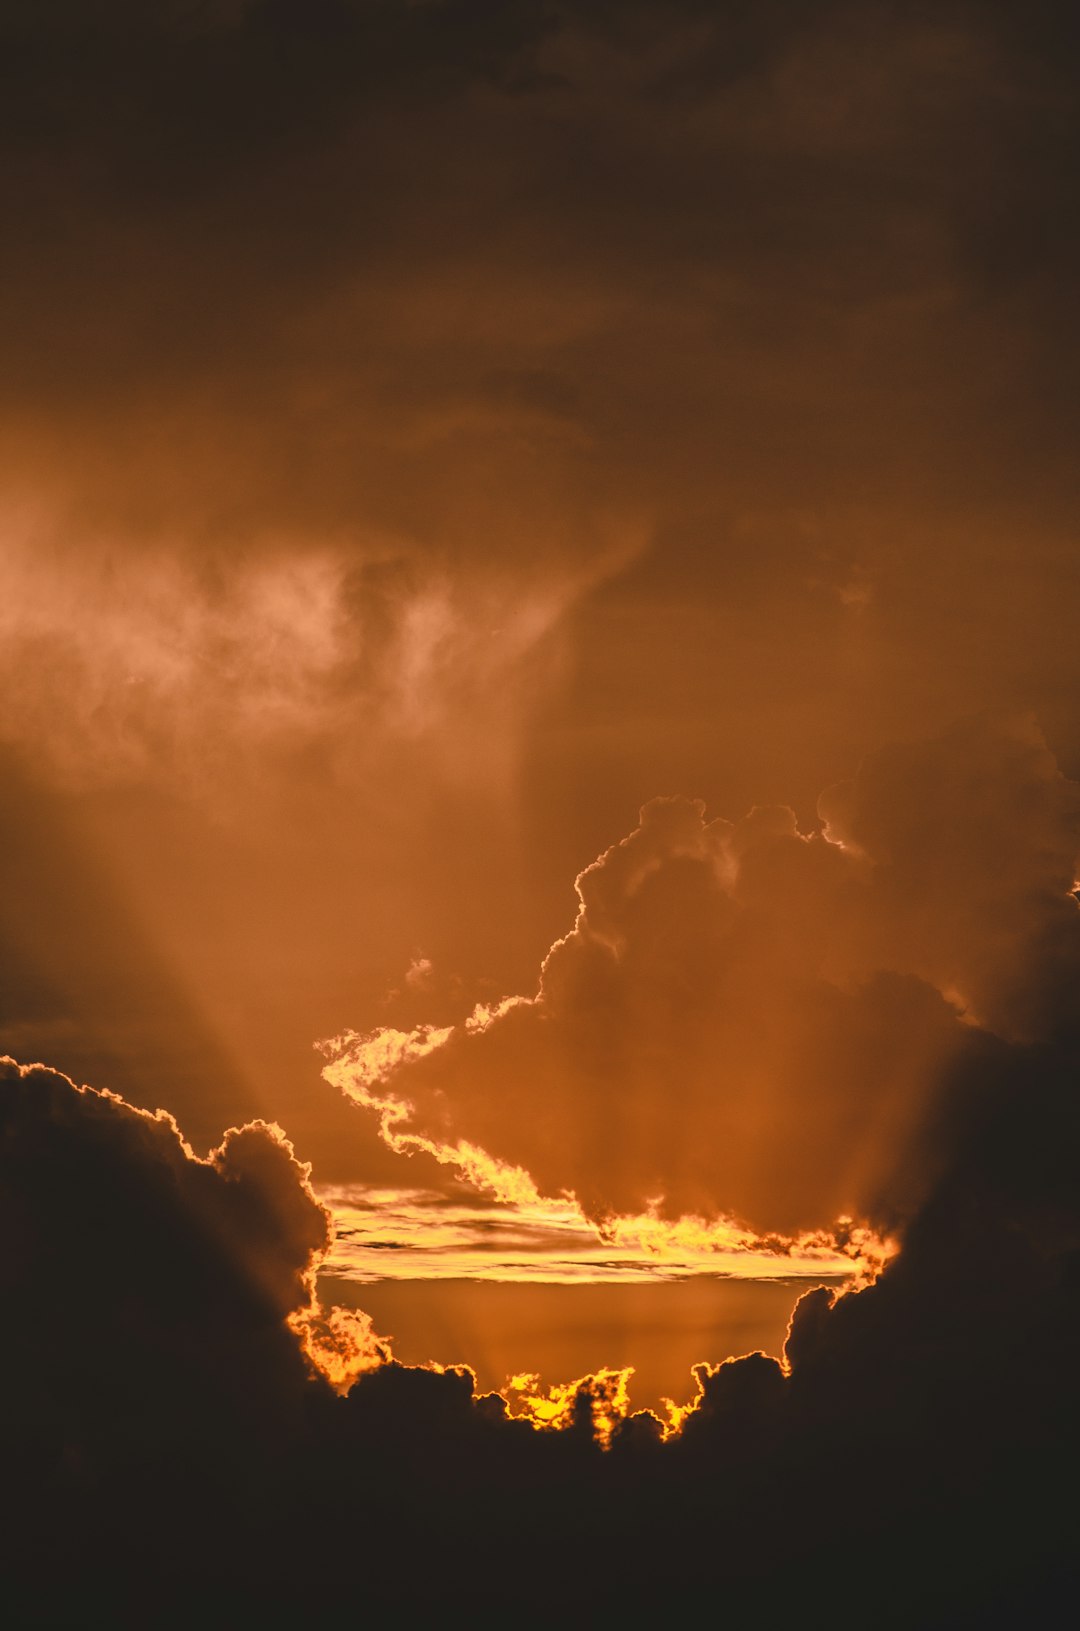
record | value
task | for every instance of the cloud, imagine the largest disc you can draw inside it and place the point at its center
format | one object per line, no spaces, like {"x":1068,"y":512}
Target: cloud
{"x":747,"y":1021}
{"x":160,"y":663}
{"x":353,"y":355}
{"x":401,"y":1235}
{"x":166,"y":1280}
{"x":366,"y":319}
{"x":158,"y":1406}
{"x":974,"y":842}
{"x":376,"y":471}
{"x":600,"y":1404}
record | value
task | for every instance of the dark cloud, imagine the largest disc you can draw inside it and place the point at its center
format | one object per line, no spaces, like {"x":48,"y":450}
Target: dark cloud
{"x":439,"y":269}
{"x":160,"y":1312}
{"x":164,"y":1270}
{"x":172,"y":1452}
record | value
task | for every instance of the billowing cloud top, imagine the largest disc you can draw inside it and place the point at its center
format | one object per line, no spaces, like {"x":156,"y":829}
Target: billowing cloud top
{"x":749,"y":1021}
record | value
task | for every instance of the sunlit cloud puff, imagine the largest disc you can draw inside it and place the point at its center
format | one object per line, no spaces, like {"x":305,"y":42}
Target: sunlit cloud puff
{"x":747,"y":1022}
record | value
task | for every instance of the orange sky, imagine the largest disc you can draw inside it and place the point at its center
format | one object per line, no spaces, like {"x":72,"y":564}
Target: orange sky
{"x":403,"y":490}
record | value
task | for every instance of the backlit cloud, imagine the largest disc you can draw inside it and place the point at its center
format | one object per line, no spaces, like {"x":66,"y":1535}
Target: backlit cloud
{"x":191,"y":1421}
{"x":748,"y":1021}
{"x":180,"y":1275}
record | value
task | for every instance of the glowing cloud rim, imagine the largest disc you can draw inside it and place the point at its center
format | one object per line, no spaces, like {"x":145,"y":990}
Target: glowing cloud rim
{"x":360,"y":1065}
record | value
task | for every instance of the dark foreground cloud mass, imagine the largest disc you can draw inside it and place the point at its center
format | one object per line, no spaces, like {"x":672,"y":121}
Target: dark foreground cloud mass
{"x":171,"y":1455}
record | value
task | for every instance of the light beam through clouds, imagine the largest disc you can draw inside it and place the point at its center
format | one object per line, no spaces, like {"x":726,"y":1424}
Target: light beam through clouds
{"x":739,"y":1037}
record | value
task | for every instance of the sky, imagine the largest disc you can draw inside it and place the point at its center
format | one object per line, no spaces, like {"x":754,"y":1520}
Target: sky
{"x":540,"y":789}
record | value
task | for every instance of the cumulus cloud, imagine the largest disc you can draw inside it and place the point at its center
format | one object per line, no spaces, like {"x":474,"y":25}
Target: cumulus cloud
{"x":748,"y":1020}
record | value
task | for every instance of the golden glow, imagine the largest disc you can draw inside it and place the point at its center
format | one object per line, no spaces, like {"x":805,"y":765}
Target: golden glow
{"x":644,"y":1243}
{"x":602,"y":1399}
{"x":339,"y":1344}
{"x":406,"y":1234}
{"x":359,"y":1063}
{"x":678,"y":1413}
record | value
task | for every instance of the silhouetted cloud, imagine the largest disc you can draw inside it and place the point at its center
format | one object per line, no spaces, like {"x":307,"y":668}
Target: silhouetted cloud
{"x":167,"y":1291}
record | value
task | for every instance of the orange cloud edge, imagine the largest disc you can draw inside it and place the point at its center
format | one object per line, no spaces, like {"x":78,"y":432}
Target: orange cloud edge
{"x":547,"y":1239}
{"x":551,"y":1240}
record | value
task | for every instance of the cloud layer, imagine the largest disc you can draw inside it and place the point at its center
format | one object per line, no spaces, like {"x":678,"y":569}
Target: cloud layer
{"x":329,"y":313}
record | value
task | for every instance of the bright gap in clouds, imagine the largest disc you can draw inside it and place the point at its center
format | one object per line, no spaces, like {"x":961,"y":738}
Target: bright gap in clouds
{"x":418,"y":1234}
{"x":733,"y":1051}
{"x":530,"y":1297}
